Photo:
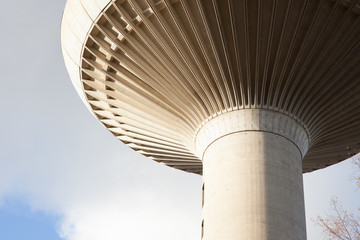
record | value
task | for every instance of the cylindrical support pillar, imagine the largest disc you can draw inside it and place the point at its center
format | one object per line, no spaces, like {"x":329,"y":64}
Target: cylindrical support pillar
{"x":253,"y":187}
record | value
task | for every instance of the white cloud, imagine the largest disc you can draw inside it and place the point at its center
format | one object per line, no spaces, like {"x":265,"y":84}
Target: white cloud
{"x":106,"y":191}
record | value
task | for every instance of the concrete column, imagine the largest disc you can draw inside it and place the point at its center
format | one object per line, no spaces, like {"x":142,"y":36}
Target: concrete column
{"x":253,"y":187}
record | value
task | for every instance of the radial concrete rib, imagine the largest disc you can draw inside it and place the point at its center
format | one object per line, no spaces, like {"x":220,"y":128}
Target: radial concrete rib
{"x":180,"y":63}
{"x":174,"y":78}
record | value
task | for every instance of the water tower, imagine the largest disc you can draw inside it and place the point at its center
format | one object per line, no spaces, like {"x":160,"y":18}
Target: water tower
{"x":250,"y":94}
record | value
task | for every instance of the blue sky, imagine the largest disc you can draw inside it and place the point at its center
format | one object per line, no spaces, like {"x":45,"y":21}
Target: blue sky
{"x":63,"y":176}
{"x":18,"y":221}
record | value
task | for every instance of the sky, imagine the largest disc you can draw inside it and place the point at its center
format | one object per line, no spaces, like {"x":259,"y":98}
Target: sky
{"x":64,"y":176}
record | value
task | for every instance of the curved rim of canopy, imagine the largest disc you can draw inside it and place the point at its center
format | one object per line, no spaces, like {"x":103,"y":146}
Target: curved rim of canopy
{"x":78,"y":21}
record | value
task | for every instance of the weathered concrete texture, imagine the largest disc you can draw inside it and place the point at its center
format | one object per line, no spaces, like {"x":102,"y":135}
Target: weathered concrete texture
{"x":253,"y":188}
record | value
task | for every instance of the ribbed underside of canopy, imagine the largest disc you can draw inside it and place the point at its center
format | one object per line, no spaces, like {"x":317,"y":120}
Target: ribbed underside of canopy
{"x":155,"y":71}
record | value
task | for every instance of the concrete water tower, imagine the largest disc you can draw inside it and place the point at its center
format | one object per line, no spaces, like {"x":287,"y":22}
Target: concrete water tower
{"x":250,"y":94}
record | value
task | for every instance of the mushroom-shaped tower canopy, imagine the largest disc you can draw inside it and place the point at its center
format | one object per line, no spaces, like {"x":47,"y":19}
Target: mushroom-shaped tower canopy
{"x":156,"y":73}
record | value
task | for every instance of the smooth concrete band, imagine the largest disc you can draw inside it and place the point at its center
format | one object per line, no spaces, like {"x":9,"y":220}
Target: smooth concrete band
{"x":251,"y":120}
{"x":253,"y":186}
